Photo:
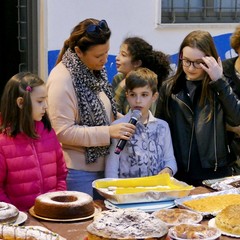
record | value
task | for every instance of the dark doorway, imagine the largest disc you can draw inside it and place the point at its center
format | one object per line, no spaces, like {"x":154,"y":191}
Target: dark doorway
{"x":9,"y":53}
{"x":19,"y":38}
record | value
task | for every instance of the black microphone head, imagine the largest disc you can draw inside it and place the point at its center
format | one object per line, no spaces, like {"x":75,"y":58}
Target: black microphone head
{"x":136,"y":114}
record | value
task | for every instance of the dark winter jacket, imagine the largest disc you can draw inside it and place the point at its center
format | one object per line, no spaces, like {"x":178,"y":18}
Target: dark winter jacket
{"x":211,"y":137}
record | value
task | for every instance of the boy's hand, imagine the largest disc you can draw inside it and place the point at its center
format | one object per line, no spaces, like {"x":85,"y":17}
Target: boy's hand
{"x":166,"y":170}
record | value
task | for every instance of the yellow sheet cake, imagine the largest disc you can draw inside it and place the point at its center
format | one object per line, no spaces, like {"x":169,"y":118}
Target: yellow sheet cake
{"x":212,"y":204}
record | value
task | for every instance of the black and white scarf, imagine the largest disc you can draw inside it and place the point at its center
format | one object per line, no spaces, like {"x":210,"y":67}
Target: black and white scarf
{"x":91,"y":109}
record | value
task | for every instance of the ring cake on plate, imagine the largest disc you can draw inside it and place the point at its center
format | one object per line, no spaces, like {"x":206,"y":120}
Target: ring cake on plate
{"x":228,"y":220}
{"x":64,"y":205}
{"x":126,"y":224}
{"x":8,"y":213}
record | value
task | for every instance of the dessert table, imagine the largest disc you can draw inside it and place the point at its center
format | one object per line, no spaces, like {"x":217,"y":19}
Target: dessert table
{"x":77,"y":230}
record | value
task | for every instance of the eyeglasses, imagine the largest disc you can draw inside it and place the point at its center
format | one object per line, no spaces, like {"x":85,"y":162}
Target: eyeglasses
{"x":196,"y":64}
{"x":96,"y":29}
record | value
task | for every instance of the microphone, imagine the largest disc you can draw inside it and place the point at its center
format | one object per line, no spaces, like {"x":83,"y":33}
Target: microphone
{"x":136,"y":114}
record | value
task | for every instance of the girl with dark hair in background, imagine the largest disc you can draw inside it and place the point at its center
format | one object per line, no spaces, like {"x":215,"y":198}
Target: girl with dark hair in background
{"x":135,"y":52}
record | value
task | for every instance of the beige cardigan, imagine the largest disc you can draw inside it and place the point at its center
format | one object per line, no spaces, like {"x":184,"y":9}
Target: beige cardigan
{"x":64,"y":116}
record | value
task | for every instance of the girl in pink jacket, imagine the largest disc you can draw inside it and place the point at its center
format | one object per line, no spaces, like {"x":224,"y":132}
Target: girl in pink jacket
{"x":31,"y":158}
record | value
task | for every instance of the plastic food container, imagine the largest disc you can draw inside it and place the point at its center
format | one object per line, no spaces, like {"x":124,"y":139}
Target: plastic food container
{"x":177,"y":216}
{"x":193,"y":231}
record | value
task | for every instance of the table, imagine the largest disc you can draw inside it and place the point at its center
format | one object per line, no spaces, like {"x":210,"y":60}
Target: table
{"x":77,"y":230}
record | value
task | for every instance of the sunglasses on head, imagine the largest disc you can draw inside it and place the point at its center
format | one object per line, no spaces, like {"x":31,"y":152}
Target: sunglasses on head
{"x":97,"y":28}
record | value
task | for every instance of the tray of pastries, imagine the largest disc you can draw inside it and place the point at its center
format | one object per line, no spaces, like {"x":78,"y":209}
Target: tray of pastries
{"x":210,"y":203}
{"x":161,"y":187}
{"x":226,"y":183}
{"x":193,"y":231}
{"x":177,"y":216}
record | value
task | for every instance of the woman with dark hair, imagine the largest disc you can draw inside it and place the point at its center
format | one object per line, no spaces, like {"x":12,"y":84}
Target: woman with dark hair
{"x":135,"y":52}
{"x":197,"y":102}
{"x":31,"y":158}
{"x":231,"y":69}
{"x":81,"y":104}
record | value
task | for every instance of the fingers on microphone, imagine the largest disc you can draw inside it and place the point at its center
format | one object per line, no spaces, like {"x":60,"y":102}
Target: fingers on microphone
{"x":127,"y":134}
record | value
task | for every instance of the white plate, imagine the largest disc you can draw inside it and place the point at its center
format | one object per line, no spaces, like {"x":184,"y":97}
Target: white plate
{"x":147,"y":207}
{"x":211,"y":223}
{"x":97,"y":210}
{"x":22,"y":217}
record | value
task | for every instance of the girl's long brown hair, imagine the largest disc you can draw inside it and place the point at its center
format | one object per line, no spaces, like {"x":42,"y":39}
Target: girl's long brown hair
{"x":203,"y":41}
{"x":14,"y":119}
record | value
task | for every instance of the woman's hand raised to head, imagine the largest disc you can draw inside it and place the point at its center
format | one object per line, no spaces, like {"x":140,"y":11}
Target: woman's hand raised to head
{"x":214,"y":68}
{"x":122,"y":130}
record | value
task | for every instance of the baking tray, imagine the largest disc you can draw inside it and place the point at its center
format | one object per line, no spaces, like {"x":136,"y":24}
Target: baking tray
{"x":225,"y":183}
{"x":182,"y":190}
{"x":179,"y":202}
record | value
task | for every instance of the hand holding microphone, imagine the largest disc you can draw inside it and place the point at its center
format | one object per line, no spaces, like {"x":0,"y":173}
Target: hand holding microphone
{"x":136,"y":114}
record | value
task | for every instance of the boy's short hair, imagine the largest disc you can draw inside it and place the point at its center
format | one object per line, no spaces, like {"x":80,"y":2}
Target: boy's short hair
{"x":141,"y":77}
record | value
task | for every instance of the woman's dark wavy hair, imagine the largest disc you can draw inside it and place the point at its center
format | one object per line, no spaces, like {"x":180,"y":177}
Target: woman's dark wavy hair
{"x":156,"y":61}
{"x":13,"y":119}
{"x":79,"y":37}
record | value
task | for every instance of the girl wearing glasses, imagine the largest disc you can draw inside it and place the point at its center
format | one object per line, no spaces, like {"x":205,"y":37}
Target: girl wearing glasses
{"x":81,"y":104}
{"x":197,"y":102}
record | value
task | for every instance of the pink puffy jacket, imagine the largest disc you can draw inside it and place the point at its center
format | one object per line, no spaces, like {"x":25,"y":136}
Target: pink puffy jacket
{"x":30,"y":167}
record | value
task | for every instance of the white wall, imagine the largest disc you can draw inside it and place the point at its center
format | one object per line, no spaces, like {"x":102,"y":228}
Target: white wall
{"x":125,"y":18}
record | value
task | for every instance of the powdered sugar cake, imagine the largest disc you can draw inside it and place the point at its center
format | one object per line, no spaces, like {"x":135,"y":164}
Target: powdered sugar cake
{"x":126,"y":224}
